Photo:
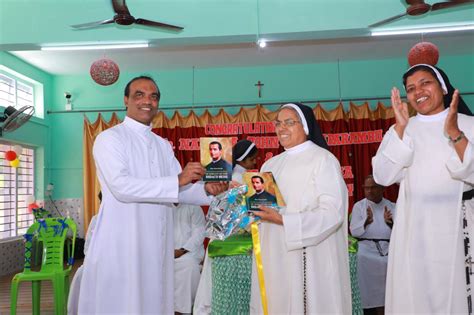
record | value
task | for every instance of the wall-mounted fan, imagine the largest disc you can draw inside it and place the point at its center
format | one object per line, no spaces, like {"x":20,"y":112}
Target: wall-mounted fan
{"x":419,"y":7}
{"x":123,"y":17}
{"x":13,"y":118}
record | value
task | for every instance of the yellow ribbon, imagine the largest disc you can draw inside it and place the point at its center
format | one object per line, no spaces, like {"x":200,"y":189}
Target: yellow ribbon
{"x":258,"y":259}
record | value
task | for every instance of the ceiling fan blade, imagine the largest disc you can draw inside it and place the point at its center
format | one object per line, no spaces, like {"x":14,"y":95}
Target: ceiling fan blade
{"x":393,"y":18}
{"x":92,"y":24}
{"x":158,"y":24}
{"x":449,"y":4}
{"x":120,"y":7}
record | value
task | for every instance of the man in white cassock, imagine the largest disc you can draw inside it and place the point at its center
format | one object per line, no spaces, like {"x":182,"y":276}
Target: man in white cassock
{"x":304,"y":248}
{"x":371,"y":223}
{"x":189,"y":225}
{"x":129,"y":265}
{"x":431,"y":156}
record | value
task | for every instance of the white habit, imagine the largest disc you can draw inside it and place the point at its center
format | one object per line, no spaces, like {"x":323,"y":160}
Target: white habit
{"x":310,"y":180}
{"x":189,"y":225}
{"x":129,"y":265}
{"x":426,"y":270}
{"x":372,"y":259}
{"x":237,"y":173}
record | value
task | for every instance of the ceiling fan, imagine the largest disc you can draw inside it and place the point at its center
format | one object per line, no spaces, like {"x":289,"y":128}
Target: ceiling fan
{"x":123,"y":17}
{"x":13,"y":118}
{"x":419,"y":7}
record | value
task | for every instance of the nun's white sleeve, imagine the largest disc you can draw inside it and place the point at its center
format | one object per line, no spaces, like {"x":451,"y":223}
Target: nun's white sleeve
{"x":393,"y":157}
{"x":464,"y":170}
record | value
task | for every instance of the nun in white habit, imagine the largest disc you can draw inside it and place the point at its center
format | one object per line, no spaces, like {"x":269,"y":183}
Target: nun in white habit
{"x":431,"y":156}
{"x":304,"y":248}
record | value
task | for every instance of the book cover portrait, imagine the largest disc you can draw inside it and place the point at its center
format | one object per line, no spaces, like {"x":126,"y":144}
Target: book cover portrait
{"x":216,"y":158}
{"x":262,"y":190}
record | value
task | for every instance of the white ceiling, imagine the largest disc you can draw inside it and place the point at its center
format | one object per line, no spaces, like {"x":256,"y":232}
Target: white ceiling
{"x":247,"y":54}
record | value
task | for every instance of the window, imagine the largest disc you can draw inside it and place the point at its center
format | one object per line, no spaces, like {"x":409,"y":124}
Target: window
{"x":15,"y":93}
{"x":18,"y":90}
{"x":16,"y":184}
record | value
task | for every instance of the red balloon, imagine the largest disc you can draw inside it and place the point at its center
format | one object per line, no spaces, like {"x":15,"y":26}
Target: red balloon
{"x":10,"y":155}
{"x":424,"y":52}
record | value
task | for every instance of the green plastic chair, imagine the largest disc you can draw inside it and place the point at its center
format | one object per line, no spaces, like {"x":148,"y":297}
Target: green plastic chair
{"x":52,"y":233}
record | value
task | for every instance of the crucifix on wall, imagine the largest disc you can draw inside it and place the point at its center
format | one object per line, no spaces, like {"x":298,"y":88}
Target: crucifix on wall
{"x":259,"y":86}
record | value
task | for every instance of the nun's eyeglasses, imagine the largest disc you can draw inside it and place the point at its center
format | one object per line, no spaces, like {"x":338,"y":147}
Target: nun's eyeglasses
{"x":285,"y":123}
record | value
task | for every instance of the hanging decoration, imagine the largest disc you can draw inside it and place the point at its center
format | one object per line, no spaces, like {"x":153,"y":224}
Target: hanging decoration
{"x":423,"y":52}
{"x":10,"y":155}
{"x":15,"y":163}
{"x":18,"y":149}
{"x":105,"y":71}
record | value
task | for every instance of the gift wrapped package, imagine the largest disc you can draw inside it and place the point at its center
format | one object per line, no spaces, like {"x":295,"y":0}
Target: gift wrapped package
{"x":227,"y":214}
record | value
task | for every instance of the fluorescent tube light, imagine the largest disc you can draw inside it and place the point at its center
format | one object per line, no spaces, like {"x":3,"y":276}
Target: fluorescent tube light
{"x":402,"y":31}
{"x":95,"y":46}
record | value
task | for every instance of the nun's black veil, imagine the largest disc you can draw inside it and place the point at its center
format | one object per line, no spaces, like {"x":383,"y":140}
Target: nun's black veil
{"x":462,"y":106}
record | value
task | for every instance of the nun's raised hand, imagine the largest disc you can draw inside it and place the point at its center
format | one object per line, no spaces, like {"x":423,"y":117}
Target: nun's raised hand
{"x":400,"y":109}
{"x":269,"y":215}
{"x":451,"y":123}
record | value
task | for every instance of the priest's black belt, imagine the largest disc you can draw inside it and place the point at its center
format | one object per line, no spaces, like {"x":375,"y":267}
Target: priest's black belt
{"x":377,"y":245}
{"x":374,"y":239}
{"x":468,"y":195}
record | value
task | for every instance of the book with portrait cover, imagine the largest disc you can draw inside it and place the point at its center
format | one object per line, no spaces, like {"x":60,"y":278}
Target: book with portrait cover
{"x":262,"y":190}
{"x":216,"y":158}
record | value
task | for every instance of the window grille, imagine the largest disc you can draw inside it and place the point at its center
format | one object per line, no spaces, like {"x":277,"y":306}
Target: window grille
{"x":16,"y":184}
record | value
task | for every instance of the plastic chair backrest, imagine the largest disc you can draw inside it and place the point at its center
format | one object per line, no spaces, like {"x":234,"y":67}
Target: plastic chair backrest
{"x":52,"y":233}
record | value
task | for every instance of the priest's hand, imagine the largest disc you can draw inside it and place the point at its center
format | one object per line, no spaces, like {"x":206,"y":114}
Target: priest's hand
{"x":215,"y":188}
{"x":400,"y":109}
{"x":370,"y":217}
{"x":269,"y":214}
{"x":192,"y":171}
{"x":387,"y":216}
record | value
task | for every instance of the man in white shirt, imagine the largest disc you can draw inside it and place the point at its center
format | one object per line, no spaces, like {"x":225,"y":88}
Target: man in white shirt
{"x":371,"y":223}
{"x":189,"y":225}
{"x":129,"y":264}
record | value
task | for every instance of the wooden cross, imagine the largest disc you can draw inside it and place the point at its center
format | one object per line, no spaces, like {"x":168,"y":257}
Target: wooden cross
{"x":259,"y":85}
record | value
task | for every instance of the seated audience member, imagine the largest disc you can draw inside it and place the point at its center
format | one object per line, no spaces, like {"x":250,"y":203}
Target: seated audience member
{"x":189,"y":224}
{"x":244,"y":159}
{"x":371,"y":223}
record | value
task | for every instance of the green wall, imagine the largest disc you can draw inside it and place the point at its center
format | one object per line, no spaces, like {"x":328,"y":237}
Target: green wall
{"x":36,"y":132}
{"x":212,"y":87}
